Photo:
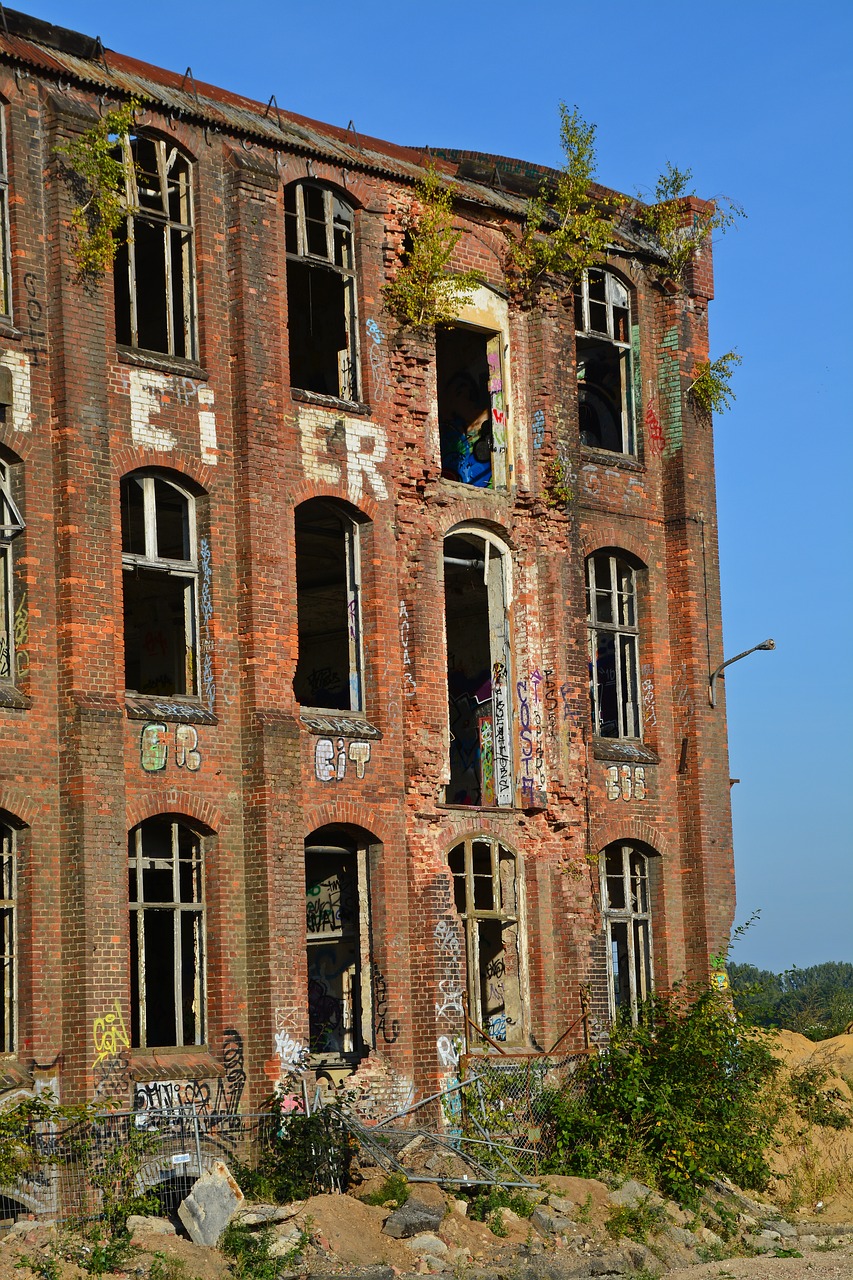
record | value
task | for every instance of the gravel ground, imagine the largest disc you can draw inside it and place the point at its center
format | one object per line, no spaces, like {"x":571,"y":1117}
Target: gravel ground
{"x":834,"y":1264}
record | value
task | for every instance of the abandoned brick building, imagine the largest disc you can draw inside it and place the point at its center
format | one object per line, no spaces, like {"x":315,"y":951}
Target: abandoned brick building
{"x":353,"y":678}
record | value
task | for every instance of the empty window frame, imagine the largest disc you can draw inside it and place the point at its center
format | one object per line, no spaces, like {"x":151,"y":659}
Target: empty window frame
{"x":476,"y":595}
{"x":155,"y":304}
{"x":5,"y":256}
{"x":329,"y":669}
{"x":165,"y":864}
{"x":8,"y":938}
{"x":472,"y":412}
{"x":627,"y":921}
{"x":487,"y":896}
{"x":11,"y":524}
{"x":322,"y":317}
{"x":337,"y":936}
{"x":603,"y":336}
{"x":611,"y":603}
{"x":160,"y":563}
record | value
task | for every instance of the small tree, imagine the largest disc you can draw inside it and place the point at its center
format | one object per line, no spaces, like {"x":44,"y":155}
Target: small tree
{"x":97,"y":174}
{"x":424,"y":292}
{"x":565,"y":229}
{"x":678,"y":239}
{"x":711,"y":386}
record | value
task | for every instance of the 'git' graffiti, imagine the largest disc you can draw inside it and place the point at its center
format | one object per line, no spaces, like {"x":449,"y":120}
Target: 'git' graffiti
{"x":330,"y":758}
{"x":154,"y":747}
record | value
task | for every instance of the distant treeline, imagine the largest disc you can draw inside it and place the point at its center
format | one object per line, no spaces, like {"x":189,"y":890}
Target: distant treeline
{"x":817,"y":1002}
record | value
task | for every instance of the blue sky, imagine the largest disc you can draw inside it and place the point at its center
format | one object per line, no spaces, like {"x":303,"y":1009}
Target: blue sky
{"x":756,"y":98}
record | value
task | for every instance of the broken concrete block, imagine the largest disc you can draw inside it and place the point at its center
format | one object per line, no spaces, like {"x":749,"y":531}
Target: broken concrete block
{"x":210,"y":1205}
{"x":561,"y":1205}
{"x":633,"y":1193}
{"x":548,"y":1223}
{"x":139,"y":1225}
{"x":427,"y":1244}
{"x":411,"y":1218}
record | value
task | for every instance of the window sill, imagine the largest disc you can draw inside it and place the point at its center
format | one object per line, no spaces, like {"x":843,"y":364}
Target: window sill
{"x":346,"y":724}
{"x":13,"y":1074}
{"x":630,"y":750}
{"x":163,"y":363}
{"x":192,"y":1062}
{"x":148,"y":707}
{"x":330,"y":402}
{"x":624,"y":461}
{"x":12,"y":697}
{"x":500,"y":492}
{"x":9,"y":330}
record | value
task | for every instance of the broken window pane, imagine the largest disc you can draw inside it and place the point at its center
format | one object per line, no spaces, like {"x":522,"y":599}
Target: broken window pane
{"x":624,"y":871}
{"x":603,"y":342}
{"x":471,"y":406}
{"x":477,"y":671}
{"x":337,"y":942}
{"x":11,"y":524}
{"x":160,"y":581}
{"x":154,"y":275}
{"x":486,"y":897}
{"x":8,"y":938}
{"x":328,"y":672}
{"x":321,"y":294}
{"x":613,"y":657}
{"x":167,"y":943}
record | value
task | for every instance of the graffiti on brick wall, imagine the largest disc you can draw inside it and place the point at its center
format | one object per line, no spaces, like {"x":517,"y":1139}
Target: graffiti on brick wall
{"x":388,"y":1029}
{"x":682,"y":695}
{"x":154,"y":745}
{"x":551,"y":704}
{"x":654,"y":431}
{"x":650,"y":716}
{"x":208,"y":688}
{"x":293,"y":1056}
{"x":331,"y":757}
{"x":532,"y":762}
{"x":22,"y":637}
{"x":409,"y":686}
{"x":150,"y":392}
{"x":209,"y":1099}
{"x":538,"y":429}
{"x":34,"y":332}
{"x":112,"y":1043}
{"x":377,"y":360}
{"x":342,"y":450}
{"x":450,"y":1002}
{"x":449,"y":1006}
{"x":625,"y":782}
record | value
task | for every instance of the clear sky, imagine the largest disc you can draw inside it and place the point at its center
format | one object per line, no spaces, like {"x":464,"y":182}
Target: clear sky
{"x":755,"y":96}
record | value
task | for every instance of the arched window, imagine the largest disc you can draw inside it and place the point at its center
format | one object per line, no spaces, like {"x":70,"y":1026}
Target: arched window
{"x":11,"y":524}
{"x":154,"y":269}
{"x":471,"y":405}
{"x":160,"y":563}
{"x":477,"y":596}
{"x":611,"y":605}
{"x":322,"y":318}
{"x":626,"y":910}
{"x":603,"y":336}
{"x":165,"y":863}
{"x":329,"y":670}
{"x":487,"y":896}
{"x":337,"y":940}
{"x":8,"y":938}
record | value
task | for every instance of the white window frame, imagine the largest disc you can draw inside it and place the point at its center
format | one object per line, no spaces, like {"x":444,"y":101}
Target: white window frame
{"x":185,"y":569}
{"x":9,"y":936}
{"x":139,"y":906}
{"x":634,"y":923}
{"x":11,"y":524}
{"x":617,"y":298}
{"x":626,"y":643}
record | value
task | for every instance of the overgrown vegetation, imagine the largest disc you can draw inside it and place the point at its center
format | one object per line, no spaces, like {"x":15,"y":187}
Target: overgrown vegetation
{"x":711,"y":387}
{"x":676,"y":1101}
{"x":638,"y":1221}
{"x":392,"y":1191}
{"x":96,"y":171}
{"x":250,"y":1255}
{"x":483,"y":1205}
{"x":306,"y":1155}
{"x":566,"y":229}
{"x":667,"y":219}
{"x":816,"y":1001}
{"x":424,"y":292}
{"x":557,"y":489}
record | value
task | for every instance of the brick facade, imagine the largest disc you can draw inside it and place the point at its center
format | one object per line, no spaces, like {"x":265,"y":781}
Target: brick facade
{"x":236,"y":761}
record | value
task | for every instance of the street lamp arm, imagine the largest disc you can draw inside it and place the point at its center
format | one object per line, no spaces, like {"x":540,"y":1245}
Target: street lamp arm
{"x":712,"y":683}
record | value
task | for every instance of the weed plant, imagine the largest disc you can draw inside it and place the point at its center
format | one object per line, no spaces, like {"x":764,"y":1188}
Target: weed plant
{"x":393,"y":1191}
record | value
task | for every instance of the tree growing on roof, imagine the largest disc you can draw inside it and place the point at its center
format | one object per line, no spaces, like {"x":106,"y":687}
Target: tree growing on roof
{"x":96,"y":173}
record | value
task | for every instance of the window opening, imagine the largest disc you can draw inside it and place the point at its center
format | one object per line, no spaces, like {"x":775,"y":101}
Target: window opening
{"x":321,"y":293}
{"x":328,"y":672}
{"x":159,"y":560}
{"x":337,"y":943}
{"x":8,"y":938}
{"x":471,"y":406}
{"x":486,"y":894}
{"x":154,"y":263}
{"x":627,"y":921}
{"x":611,"y":604}
{"x":11,"y":524}
{"x":5,"y":255}
{"x":603,"y":336}
{"x":478,"y":666}
{"x":167,"y":934}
